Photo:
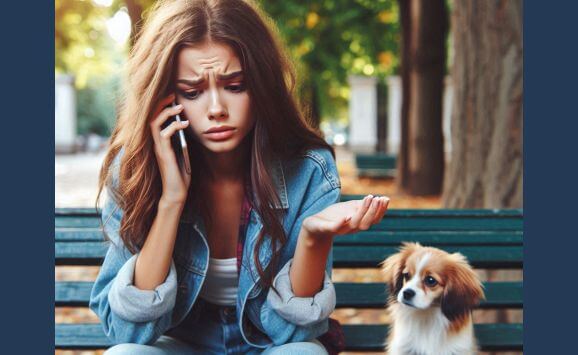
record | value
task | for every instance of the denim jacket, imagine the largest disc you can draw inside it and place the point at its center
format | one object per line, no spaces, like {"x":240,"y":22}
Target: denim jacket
{"x":306,"y":185}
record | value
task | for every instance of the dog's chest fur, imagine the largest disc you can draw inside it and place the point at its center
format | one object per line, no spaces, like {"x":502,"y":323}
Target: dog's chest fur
{"x":425,"y":332}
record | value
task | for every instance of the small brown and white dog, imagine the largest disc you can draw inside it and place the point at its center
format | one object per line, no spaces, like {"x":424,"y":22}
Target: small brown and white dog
{"x":432,"y":294}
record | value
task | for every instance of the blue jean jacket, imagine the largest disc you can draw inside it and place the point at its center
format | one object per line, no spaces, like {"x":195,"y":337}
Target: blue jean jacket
{"x":305,"y":185}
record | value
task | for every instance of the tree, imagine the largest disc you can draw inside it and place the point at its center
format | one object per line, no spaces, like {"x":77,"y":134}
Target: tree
{"x":330,"y":39}
{"x":421,"y":157}
{"x":486,"y":162}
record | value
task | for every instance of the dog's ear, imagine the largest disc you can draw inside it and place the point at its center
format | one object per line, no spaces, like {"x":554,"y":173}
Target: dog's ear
{"x":391,"y":269}
{"x":463,"y":289}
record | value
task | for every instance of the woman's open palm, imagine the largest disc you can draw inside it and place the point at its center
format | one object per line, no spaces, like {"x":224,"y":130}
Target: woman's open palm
{"x":347,"y":217}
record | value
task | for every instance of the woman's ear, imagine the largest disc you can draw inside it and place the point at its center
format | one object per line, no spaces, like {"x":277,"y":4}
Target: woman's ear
{"x":463,"y":290}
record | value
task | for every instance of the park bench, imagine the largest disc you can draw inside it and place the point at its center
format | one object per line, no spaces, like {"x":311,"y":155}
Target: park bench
{"x":490,"y":239}
{"x":376,"y":165}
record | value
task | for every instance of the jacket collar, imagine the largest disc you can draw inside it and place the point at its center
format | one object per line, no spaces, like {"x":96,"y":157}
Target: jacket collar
{"x":279,"y":181}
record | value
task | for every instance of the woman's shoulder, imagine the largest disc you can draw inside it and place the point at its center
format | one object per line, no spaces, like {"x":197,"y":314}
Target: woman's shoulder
{"x":313,"y":166}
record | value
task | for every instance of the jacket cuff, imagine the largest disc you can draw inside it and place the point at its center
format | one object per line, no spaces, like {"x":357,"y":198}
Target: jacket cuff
{"x":302,"y":311}
{"x":136,"y":305}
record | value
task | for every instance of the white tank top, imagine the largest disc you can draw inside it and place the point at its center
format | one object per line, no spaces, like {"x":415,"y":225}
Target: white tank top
{"x":221,"y":282}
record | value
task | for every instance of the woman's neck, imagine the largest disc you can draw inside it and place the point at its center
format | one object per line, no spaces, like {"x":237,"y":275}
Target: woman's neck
{"x":229,"y":166}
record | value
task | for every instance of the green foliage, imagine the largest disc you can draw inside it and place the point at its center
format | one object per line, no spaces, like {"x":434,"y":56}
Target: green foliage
{"x":330,"y":39}
{"x":82,"y":44}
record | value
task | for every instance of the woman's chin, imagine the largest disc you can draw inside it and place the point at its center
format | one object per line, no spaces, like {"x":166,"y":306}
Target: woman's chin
{"x":221,"y":147}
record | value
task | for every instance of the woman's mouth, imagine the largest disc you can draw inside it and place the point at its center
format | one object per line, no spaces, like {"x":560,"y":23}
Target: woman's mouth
{"x":220,"y":134}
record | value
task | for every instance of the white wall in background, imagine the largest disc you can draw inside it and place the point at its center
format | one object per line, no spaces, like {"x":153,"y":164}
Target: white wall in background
{"x":64,"y":114}
{"x":362,"y":113}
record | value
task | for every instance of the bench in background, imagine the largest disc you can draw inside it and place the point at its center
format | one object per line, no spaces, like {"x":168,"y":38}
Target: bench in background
{"x":490,"y":239}
{"x":376,"y":165}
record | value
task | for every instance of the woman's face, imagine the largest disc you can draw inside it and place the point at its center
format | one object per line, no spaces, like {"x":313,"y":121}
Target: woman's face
{"x":211,"y":87}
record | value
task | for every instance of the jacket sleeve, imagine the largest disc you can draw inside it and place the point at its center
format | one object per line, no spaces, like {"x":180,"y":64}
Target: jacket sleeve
{"x":288,"y":318}
{"x":128,"y":314}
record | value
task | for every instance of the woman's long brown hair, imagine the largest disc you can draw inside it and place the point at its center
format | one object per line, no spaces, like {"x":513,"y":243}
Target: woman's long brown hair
{"x":280,"y":130}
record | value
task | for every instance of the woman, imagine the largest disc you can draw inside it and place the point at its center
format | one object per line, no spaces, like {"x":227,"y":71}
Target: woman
{"x":234,"y":257}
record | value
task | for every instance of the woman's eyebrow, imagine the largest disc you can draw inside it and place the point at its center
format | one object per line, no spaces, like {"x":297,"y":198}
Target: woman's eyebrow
{"x":220,"y":77}
{"x":229,"y":76}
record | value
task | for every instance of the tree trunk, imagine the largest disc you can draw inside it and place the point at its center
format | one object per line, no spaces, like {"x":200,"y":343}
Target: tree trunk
{"x":485,"y":170}
{"x":425,"y":48}
{"x":404,"y":18}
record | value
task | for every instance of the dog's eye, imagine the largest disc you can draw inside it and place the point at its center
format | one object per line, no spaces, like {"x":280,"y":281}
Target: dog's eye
{"x":406,"y":276}
{"x":430,"y":281}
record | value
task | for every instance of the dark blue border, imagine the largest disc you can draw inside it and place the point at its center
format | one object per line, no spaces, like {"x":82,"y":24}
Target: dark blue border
{"x":550,"y":177}
{"x":27,"y":173}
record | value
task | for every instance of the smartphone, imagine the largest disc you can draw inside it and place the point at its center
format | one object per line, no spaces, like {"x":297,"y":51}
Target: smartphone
{"x":179,"y":144}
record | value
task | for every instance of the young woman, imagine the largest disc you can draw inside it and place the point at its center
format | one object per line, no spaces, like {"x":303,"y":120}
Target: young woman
{"x":234,"y":257}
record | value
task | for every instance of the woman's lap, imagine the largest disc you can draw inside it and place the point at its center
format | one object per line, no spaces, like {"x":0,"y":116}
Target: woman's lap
{"x":301,"y":348}
{"x":167,"y":345}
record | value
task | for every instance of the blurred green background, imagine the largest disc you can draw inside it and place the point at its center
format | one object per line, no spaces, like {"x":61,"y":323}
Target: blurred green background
{"x":328,"y":41}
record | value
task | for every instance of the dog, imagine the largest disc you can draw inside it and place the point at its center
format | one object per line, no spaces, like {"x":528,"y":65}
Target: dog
{"x":432,"y":294}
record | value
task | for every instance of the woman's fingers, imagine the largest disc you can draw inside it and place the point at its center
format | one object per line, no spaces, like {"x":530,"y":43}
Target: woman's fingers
{"x":383,"y":208}
{"x":356,"y":218}
{"x":172,"y":128}
{"x":164,"y":115}
{"x":370,"y":214}
{"x":168,"y":131}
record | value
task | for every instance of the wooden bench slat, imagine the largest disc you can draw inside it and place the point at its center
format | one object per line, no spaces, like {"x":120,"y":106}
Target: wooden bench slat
{"x":374,"y":295}
{"x":368,"y":237}
{"x":437,"y":238}
{"x":491,"y":337}
{"x":80,"y":336}
{"x":81,"y":253}
{"x":92,"y":253}
{"x":349,"y":295}
{"x":479,"y":256}
{"x":72,"y":293}
{"x":357,"y":337}
{"x":397,"y":219}
{"x":78,"y":235}
{"x":389,"y":223}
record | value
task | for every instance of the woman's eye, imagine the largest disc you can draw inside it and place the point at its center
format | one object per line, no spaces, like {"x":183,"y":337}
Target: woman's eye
{"x":191,"y":94}
{"x":235,"y":87}
{"x":430,"y":281}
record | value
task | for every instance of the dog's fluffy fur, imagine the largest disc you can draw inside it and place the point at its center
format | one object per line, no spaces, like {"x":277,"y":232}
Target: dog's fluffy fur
{"x":432,"y":294}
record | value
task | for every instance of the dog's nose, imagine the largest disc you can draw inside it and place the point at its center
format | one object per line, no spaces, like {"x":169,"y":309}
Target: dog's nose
{"x":408,"y":294}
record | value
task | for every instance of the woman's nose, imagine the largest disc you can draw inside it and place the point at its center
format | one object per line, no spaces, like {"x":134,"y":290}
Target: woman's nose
{"x":216,"y":110}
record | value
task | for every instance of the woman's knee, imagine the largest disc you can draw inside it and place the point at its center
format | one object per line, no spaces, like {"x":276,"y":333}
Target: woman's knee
{"x":127,"y":349}
{"x":305,"y":348}
{"x":165,"y":345}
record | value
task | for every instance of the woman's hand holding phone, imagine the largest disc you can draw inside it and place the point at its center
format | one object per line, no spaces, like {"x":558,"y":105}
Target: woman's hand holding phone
{"x":175,"y":180}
